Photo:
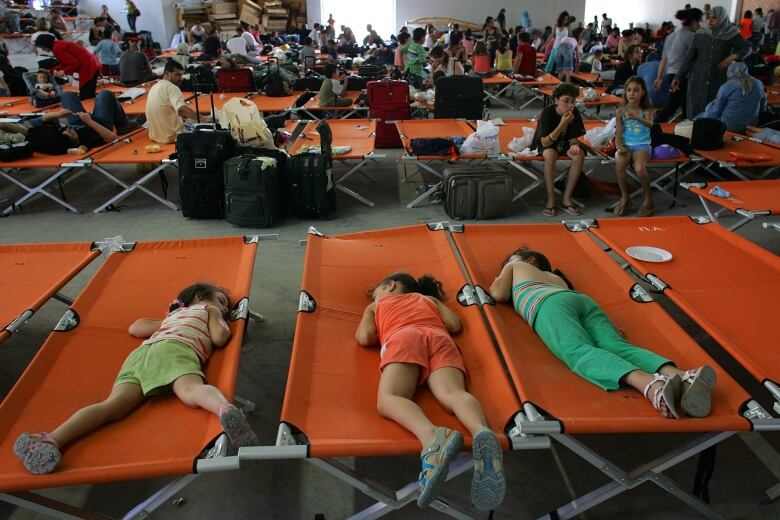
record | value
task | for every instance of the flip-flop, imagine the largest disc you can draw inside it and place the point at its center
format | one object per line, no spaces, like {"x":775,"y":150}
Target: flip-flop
{"x":571,"y":209}
{"x":550,"y":212}
{"x":488,"y":484}
{"x":697,"y":398}
{"x":445,"y":447}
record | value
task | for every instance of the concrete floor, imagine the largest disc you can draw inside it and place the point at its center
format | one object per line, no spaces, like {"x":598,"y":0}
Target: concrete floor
{"x":538,"y":481}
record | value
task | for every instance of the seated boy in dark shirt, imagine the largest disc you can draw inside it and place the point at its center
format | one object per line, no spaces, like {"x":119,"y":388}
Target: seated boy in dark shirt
{"x":559,"y":127}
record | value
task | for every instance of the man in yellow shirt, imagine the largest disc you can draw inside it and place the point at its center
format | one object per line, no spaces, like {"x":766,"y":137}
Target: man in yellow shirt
{"x":165,"y":106}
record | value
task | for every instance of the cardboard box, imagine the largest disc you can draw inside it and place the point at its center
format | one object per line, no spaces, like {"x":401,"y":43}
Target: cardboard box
{"x":224,"y":8}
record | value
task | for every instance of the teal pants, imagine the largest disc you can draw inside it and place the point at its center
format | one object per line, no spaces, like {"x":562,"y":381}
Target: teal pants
{"x":578,"y":332}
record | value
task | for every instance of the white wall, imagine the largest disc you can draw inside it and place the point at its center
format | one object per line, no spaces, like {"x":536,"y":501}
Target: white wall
{"x":644,"y":11}
{"x":157,"y":16}
{"x":542,"y":13}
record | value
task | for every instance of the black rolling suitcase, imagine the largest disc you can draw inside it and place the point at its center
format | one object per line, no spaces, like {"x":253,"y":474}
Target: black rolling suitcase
{"x":477,"y":193}
{"x":311,"y":192}
{"x":201,"y":154}
{"x":251,"y":190}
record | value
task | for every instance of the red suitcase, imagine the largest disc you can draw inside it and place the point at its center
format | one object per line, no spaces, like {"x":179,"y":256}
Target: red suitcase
{"x":388,"y":100}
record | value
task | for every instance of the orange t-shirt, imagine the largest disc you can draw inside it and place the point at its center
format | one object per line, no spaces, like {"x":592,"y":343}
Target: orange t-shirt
{"x":481,"y":63}
{"x":405,"y":310}
{"x":746,"y":28}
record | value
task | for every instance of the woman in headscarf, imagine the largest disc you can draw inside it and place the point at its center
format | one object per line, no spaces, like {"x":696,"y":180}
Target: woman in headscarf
{"x":182,"y":54}
{"x":525,"y":20}
{"x":708,"y":58}
{"x":739,"y":101}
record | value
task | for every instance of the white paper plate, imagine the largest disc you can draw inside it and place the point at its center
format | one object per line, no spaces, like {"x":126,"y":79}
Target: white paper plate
{"x":649,"y":254}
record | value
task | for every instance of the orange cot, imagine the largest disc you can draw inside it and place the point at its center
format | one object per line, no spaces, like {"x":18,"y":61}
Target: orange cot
{"x":133,"y":151}
{"x":561,"y":404}
{"x":666,"y":168}
{"x":427,"y":128}
{"x":331,"y":376}
{"x":31,"y":274}
{"x":61,"y":164}
{"x":312,"y":107}
{"x":748,"y":199}
{"x":727,"y":284}
{"x":77,"y":365}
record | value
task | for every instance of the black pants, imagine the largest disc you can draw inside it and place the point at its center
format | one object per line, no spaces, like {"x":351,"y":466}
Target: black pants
{"x":674,"y":101}
{"x":87,"y":90}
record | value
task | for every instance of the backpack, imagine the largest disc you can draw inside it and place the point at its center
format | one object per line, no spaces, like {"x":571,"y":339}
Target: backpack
{"x":242,"y":117}
{"x":275,"y":86}
{"x":433,"y":146}
{"x":708,"y":134}
{"x":201,"y":78}
{"x":48,"y":139}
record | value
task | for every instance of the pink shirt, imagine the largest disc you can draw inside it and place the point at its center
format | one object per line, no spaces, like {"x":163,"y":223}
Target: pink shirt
{"x":188,"y":325}
{"x":469,"y":45}
{"x":481,"y":63}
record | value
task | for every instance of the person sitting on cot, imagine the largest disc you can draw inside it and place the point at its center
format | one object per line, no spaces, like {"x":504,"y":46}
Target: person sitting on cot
{"x":580,"y":334}
{"x":332,"y":87}
{"x":170,"y":360}
{"x":413,"y":326}
{"x":560,"y":125}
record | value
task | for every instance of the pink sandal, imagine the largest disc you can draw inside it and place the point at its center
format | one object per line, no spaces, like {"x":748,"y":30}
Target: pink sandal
{"x":667,"y":396}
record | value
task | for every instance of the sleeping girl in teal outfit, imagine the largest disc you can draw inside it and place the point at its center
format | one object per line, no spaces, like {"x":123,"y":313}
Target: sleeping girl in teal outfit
{"x":581,"y":335}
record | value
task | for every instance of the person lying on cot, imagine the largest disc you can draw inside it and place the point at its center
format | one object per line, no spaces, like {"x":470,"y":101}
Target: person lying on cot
{"x":581,"y":335}
{"x":170,"y":360}
{"x":104,"y":124}
{"x":413,"y":326}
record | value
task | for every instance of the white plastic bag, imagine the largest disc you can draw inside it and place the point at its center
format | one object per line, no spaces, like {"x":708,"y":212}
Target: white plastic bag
{"x":590,"y":94}
{"x":684,"y":129}
{"x":246,"y":125}
{"x":484,"y":140}
{"x":281,"y":56}
{"x":519,"y":144}
{"x":601,"y":134}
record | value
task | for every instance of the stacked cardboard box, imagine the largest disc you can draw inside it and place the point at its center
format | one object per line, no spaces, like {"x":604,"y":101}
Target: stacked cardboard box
{"x":271,"y":15}
{"x":276,"y":17}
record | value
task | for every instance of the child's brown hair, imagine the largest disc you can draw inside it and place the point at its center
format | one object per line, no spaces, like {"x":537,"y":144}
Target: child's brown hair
{"x":645,"y":103}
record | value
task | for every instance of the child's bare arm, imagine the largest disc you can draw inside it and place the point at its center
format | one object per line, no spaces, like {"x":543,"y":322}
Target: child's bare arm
{"x":144,"y":327}
{"x":450,"y":319}
{"x":218,"y":329}
{"x":366,"y":332}
{"x":501,"y":288}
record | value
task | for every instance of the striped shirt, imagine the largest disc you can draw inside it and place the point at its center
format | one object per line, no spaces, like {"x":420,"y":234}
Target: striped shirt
{"x":529,"y":295}
{"x":188,"y":325}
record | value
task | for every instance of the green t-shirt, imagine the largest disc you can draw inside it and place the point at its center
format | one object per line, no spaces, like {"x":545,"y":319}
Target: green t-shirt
{"x":417,"y":56}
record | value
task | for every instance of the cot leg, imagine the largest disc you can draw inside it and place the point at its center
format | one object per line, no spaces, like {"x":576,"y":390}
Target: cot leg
{"x":38,"y":190}
{"x":535,"y":178}
{"x":649,"y":472}
{"x":130,"y":188}
{"x":158,"y":499}
{"x":49,"y":507}
{"x":768,"y":455}
{"x":256,"y":316}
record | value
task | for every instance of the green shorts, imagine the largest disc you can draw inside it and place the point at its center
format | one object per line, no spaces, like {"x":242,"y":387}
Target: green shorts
{"x":155,"y":366}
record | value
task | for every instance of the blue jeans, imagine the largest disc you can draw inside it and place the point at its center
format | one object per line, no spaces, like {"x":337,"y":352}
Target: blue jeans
{"x":107,"y":112}
{"x":131,"y":22}
{"x":13,"y":21}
